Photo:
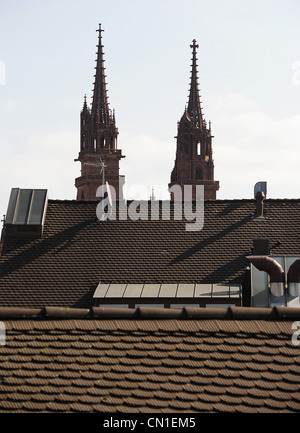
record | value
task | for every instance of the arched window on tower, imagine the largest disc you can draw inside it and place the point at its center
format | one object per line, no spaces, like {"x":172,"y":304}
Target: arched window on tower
{"x":198,"y":148}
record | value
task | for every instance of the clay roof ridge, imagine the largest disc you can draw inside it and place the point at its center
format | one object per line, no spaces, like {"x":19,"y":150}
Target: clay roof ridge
{"x":225,"y":200}
{"x":147,"y":313}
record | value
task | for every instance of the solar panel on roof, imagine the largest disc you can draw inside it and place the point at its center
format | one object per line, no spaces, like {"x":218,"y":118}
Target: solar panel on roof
{"x":37,"y":206}
{"x":171,"y":294}
{"x":22,"y":206}
{"x":133,"y":291}
{"x":11,"y":205}
{"x":185,"y":291}
{"x":168,"y":290}
{"x":115,"y":291}
{"x":203,"y":290}
{"x":26,"y":206}
{"x":150,"y":290}
{"x":235,"y":291}
{"x":220,"y":291}
{"x":101,"y":289}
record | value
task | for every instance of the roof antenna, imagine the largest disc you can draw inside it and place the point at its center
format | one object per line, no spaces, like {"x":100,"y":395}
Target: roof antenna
{"x":102,"y":170}
{"x":152,"y":197}
{"x":100,"y":164}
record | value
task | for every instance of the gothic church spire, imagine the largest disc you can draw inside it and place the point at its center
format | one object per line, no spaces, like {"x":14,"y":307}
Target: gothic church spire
{"x":98,"y":142}
{"x":100,"y":106}
{"x":194,"y":163}
{"x":194,"y":106}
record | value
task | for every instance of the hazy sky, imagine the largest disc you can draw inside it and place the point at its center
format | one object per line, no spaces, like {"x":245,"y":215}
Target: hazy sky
{"x":249,"y":75}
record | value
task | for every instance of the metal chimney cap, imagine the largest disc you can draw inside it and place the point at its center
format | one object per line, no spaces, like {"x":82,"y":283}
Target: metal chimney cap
{"x":260,"y":187}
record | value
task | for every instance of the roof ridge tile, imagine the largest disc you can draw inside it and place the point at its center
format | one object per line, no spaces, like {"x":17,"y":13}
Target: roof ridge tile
{"x":148,"y":313}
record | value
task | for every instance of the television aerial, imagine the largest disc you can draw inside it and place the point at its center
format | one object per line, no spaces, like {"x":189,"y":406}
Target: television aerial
{"x":100,"y":164}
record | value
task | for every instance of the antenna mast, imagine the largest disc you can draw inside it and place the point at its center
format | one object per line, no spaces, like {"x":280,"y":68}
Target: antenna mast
{"x":100,"y":164}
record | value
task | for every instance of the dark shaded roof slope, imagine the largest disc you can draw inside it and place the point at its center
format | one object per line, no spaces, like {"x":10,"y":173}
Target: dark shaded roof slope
{"x":76,"y":251}
{"x":240,"y":360}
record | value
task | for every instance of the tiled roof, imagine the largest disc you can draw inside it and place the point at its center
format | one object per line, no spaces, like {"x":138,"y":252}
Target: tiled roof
{"x":77,"y":251}
{"x":191,"y":360}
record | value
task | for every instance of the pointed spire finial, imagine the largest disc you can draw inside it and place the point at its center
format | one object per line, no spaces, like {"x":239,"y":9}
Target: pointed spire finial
{"x":194,"y":46}
{"x":100,"y":109}
{"x":85,"y":108}
{"x":194,"y":106}
{"x":100,"y":29}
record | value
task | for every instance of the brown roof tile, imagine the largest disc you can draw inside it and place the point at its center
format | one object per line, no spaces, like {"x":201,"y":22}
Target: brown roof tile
{"x":89,"y":364}
{"x":53,"y":270}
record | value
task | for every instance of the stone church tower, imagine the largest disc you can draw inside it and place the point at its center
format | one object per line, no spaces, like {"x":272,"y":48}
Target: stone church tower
{"x":194,"y":161}
{"x":99,"y":155}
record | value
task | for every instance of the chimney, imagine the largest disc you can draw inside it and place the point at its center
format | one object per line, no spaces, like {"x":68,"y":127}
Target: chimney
{"x":260,"y":194}
{"x":261,"y":247}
